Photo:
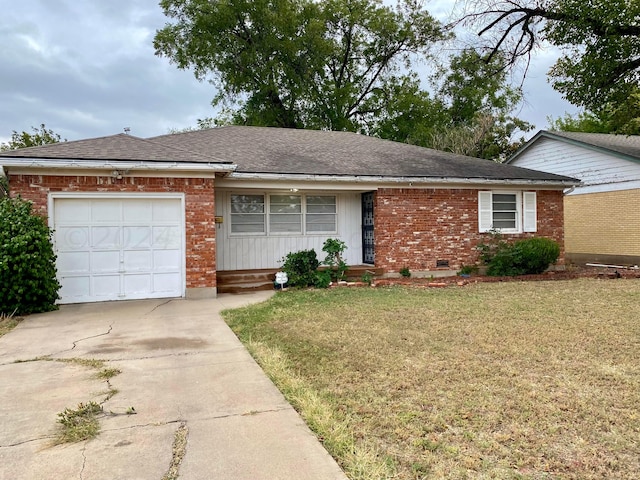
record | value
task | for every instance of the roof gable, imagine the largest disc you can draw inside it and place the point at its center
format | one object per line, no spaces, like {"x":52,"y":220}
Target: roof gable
{"x":623,"y":146}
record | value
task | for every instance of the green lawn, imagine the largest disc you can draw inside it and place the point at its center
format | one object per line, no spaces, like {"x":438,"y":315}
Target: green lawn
{"x":519,"y":380}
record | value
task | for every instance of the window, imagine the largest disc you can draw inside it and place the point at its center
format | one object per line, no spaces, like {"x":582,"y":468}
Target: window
{"x":321,"y":213}
{"x":283,"y":214}
{"x":508,"y":212}
{"x":247,"y":214}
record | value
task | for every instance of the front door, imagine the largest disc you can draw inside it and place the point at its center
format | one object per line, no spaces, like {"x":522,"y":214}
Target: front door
{"x":368,"y":244}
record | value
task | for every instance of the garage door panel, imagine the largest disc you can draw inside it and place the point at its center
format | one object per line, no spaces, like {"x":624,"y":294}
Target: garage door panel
{"x":75,"y":287}
{"x":166,"y":211}
{"x":71,"y":212}
{"x":137,"y":237}
{"x":119,"y":248}
{"x":166,"y":237}
{"x":138,"y":211}
{"x":107,"y":237}
{"x":105,"y":262}
{"x":165,"y":282}
{"x":140,"y":260}
{"x":106,"y":286}
{"x":135,"y":285}
{"x":74,"y":262}
{"x":167,"y":260}
{"x":72,"y":238}
{"x":106,"y":211}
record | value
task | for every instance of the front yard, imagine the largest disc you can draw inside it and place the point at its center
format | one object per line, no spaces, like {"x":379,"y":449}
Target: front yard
{"x":521,"y":380}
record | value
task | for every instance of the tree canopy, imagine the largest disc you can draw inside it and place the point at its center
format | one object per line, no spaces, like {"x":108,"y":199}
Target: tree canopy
{"x":622,"y":118}
{"x":38,"y":136}
{"x":299,"y":63}
{"x":470,"y":112}
{"x":600,"y":40}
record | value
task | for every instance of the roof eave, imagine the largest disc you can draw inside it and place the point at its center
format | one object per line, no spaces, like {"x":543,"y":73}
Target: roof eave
{"x":129,"y":165}
{"x":406,"y":180}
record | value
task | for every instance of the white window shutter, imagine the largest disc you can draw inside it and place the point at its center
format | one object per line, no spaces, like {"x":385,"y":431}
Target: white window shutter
{"x":485,"y":211}
{"x":529,"y":212}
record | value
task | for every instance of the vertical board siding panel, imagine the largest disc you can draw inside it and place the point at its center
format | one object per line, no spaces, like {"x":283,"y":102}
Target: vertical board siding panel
{"x":260,"y":252}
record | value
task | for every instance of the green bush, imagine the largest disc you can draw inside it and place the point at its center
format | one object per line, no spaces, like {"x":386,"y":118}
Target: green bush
{"x":334,"y":249}
{"x":323,"y":279}
{"x":536,"y":254}
{"x":301,"y":267}
{"x":523,"y":257}
{"x":28,"y":281}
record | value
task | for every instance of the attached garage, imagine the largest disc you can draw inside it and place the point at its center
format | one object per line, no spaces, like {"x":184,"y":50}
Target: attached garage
{"x":118,"y":247}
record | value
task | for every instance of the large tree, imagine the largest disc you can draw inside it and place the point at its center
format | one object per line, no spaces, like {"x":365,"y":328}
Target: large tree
{"x":470,"y":112}
{"x":38,"y":136}
{"x":622,"y":118}
{"x":600,"y":41}
{"x":331,"y":64}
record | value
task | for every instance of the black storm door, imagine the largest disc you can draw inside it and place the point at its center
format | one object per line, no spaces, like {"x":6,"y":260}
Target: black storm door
{"x":368,"y":244}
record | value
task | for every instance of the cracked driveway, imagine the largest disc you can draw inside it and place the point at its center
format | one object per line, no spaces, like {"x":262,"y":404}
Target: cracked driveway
{"x":182,"y":369}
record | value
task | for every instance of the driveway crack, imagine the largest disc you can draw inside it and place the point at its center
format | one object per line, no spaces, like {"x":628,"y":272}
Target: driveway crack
{"x":178,"y":451}
{"x":17,"y":444}
{"x":84,"y":461}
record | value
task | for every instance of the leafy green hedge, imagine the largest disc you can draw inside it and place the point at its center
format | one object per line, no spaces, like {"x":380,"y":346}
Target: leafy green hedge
{"x":301,"y":268}
{"x":522,"y":257}
{"x":28,"y":281}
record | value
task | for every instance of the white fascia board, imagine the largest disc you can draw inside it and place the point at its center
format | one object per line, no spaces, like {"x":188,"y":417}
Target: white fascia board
{"x":349,"y":182}
{"x":60,"y":166}
{"x":605,"y":187}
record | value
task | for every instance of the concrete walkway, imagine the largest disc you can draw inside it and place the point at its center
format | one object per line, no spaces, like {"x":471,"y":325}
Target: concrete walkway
{"x":182,"y":368}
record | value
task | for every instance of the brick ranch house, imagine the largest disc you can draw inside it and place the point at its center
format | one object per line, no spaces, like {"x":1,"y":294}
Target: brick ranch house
{"x":166,"y":216}
{"x":602,"y":218}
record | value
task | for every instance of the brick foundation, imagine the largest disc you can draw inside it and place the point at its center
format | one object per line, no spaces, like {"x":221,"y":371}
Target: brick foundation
{"x":199,"y":216}
{"x":416,"y":228}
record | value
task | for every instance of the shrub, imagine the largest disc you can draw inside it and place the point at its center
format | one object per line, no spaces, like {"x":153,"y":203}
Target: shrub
{"x":536,"y":254}
{"x":301,"y":268}
{"x":523,"y":257}
{"x":405,"y":272}
{"x":334,"y":249}
{"x":28,"y":281}
{"x":323,"y":279}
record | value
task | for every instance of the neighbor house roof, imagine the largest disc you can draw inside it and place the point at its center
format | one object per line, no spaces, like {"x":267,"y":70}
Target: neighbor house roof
{"x":625,"y":145}
{"x":311,"y":152}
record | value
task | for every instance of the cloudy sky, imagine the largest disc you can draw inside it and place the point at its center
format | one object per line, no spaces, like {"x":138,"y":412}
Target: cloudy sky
{"x":88,"y":69}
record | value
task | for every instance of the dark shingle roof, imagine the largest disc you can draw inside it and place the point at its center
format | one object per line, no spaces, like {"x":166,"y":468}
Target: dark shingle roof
{"x":312,"y":152}
{"x":114,"y":147}
{"x":626,"y":144}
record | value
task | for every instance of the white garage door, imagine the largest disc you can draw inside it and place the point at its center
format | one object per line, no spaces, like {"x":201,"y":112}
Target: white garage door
{"x":115,"y":248}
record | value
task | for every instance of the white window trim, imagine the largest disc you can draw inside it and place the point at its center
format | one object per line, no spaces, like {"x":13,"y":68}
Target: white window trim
{"x":267,"y":223}
{"x":526,"y":211}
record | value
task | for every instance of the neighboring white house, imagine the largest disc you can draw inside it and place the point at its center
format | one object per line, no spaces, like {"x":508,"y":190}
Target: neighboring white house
{"x":602,"y":215}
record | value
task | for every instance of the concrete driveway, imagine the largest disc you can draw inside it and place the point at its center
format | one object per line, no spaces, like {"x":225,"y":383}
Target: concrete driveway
{"x":182,"y":369}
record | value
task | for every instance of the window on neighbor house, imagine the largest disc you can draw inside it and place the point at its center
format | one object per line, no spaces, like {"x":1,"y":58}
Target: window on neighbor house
{"x":507,"y":212}
{"x":283,"y":214}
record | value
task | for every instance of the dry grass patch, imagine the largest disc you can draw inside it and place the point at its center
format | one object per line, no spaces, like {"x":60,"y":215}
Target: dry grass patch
{"x":508,"y":380}
{"x":8,"y":322}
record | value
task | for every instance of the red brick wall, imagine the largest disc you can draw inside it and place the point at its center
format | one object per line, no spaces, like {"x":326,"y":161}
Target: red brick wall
{"x":199,"y":204}
{"x":415,"y":228}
